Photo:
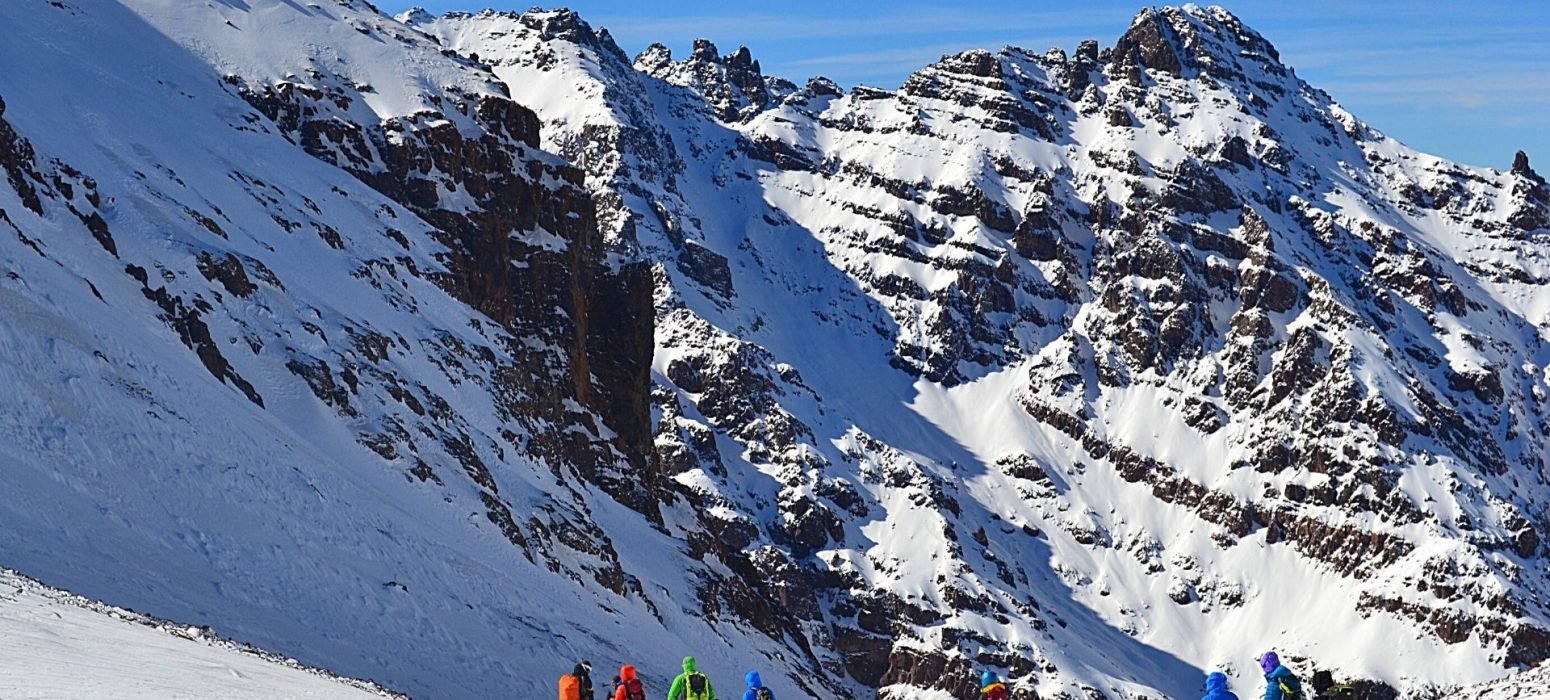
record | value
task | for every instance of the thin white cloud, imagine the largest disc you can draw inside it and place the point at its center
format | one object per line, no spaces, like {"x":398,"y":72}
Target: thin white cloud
{"x":897,"y":23}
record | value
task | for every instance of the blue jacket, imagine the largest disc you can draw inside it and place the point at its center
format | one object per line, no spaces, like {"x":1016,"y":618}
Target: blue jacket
{"x":1216,"y":687}
{"x":754,"y":682}
{"x":1273,"y":682}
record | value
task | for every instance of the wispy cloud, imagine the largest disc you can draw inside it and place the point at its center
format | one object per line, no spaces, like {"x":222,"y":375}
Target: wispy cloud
{"x":890,"y":65}
{"x":900,"y":22}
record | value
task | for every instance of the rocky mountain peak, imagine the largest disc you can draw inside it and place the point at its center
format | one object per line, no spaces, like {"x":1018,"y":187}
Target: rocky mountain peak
{"x":1530,"y":197}
{"x":704,"y":51}
{"x":1152,"y":42}
{"x":733,"y":85}
{"x":1189,"y":41}
{"x":1521,"y":167}
{"x":820,"y":85}
{"x":415,"y":15}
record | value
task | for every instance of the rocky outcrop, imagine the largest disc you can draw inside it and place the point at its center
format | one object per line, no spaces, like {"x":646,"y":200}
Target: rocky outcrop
{"x":592,"y":312}
{"x":733,"y":85}
{"x":17,"y":158}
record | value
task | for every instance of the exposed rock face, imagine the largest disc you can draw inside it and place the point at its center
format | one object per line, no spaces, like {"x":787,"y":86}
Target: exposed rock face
{"x":523,"y":247}
{"x":734,"y":87}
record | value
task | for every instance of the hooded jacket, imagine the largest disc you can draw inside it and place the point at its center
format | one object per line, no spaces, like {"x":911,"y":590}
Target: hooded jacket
{"x":627,"y":679}
{"x":754,"y":683}
{"x":1216,"y":687}
{"x":680,"y":689}
{"x":992,"y":687}
{"x":1275,"y":678}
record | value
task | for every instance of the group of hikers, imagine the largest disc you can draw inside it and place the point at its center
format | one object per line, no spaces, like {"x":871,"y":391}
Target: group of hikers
{"x":689,"y":685}
{"x":1280,"y":684}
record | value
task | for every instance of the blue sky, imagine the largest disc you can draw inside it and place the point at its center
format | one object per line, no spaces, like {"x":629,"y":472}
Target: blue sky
{"x":1467,"y":81}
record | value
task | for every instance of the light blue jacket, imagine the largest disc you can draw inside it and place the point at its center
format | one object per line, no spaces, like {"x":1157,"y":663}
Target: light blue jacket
{"x":1273,"y":682}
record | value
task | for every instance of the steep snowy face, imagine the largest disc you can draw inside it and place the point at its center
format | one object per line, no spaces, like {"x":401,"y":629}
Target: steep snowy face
{"x":1153,"y":338}
{"x":438,"y":134}
{"x":304,"y":337}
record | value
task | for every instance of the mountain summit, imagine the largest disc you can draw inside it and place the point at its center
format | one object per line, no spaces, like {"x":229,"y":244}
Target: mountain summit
{"x":470,"y":340}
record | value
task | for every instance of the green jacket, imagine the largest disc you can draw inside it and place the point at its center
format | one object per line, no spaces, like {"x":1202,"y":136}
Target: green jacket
{"x":680,"y":689}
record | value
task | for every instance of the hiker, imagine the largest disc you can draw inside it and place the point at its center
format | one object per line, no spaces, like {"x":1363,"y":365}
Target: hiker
{"x":629,"y":687}
{"x":992,"y":687}
{"x":577,"y":685}
{"x":612,"y":689}
{"x":756,"y":689}
{"x":691,"y":684}
{"x":1280,"y":682}
{"x":1216,"y":687}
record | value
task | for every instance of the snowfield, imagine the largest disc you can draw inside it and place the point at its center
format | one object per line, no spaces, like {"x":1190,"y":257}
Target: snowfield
{"x":55,"y":646}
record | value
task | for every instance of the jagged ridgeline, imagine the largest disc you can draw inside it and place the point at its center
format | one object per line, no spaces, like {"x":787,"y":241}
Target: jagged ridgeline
{"x":445,"y":351}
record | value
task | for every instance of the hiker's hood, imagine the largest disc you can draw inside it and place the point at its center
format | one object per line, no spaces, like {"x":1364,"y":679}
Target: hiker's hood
{"x":583,"y":669}
{"x":689,"y":666}
{"x":988,"y":678}
{"x":627,"y":673}
{"x":1216,"y":681}
{"x":753,"y":680}
{"x":1269,"y":661}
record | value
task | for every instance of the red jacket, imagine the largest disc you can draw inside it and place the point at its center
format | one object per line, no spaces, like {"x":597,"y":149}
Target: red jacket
{"x":627,"y":680}
{"x":995,"y":691}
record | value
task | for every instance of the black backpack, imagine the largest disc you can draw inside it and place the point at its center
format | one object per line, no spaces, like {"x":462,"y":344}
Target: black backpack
{"x":763,"y":694}
{"x":699,"y":686}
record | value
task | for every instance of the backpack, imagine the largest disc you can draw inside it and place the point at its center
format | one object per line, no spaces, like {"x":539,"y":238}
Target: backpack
{"x":633,"y":690}
{"x":570,"y":687}
{"x":1289,"y":692}
{"x":698,"y":686}
{"x":763,"y":694}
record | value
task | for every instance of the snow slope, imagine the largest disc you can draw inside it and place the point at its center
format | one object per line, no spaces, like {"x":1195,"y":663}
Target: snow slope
{"x":57,"y":646}
{"x":1529,"y":685}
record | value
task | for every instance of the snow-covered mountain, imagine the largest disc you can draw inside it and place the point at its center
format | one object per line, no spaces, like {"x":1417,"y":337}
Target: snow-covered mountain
{"x":444,"y":351}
